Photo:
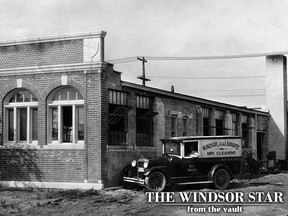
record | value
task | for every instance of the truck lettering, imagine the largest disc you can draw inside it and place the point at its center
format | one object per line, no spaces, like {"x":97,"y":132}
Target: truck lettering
{"x":225,"y":153}
{"x":221,"y":144}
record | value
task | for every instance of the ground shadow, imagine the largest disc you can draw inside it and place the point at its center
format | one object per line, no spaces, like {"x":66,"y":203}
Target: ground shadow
{"x":19,"y":165}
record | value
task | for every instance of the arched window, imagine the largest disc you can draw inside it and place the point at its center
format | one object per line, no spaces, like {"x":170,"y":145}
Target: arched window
{"x":65,"y":116}
{"x":21,"y":116}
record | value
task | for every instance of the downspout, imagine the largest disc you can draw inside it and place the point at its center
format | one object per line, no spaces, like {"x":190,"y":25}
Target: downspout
{"x":285,"y":105}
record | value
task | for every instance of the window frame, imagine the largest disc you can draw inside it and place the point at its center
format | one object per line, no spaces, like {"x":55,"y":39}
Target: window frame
{"x":206,"y":118}
{"x":234,"y":128}
{"x":173,"y":130}
{"x":59,"y":104}
{"x":185,"y":126}
{"x":220,"y":129}
{"x":15,"y":106}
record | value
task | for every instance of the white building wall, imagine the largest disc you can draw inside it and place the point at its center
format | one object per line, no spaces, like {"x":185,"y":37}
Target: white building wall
{"x":276,"y":103}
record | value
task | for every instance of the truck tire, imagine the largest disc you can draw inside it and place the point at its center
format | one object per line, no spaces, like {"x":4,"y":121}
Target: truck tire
{"x":221,"y":179}
{"x":156,"y":181}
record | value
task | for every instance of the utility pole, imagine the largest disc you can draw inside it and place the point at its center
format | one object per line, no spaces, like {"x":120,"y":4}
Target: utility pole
{"x":143,"y":77}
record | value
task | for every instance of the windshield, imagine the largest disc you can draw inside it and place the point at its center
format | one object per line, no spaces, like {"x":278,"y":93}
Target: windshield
{"x":172,"y":148}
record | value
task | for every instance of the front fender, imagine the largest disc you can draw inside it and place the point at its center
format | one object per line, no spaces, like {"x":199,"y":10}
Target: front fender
{"x":162,"y":169}
{"x":215,"y":167}
{"x":158,"y":168}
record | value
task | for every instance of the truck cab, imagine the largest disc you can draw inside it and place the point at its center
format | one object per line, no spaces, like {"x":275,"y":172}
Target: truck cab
{"x":189,"y":160}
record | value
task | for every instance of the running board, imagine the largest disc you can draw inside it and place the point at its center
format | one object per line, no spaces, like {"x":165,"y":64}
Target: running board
{"x":188,"y":183}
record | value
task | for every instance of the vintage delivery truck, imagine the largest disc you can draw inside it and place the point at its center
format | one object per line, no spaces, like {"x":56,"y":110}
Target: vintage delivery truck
{"x":189,"y":160}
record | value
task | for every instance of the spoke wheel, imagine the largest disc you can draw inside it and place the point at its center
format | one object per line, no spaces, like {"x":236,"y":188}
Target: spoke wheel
{"x":156,"y":181}
{"x":221,"y":179}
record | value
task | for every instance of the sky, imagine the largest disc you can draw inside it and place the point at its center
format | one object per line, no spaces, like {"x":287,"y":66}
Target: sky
{"x":169,"y":28}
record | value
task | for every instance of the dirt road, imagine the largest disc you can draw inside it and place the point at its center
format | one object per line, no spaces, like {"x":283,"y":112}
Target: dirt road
{"x":128,"y":202}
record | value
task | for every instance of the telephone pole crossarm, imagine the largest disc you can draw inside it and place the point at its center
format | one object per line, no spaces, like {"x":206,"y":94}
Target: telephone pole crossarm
{"x":143,"y":77}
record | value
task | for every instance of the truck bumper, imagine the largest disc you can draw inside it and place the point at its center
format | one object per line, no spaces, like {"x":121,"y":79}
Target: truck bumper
{"x":134,"y":180}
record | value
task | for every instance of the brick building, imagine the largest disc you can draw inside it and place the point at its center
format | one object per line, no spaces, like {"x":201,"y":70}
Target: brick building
{"x":67,"y":118}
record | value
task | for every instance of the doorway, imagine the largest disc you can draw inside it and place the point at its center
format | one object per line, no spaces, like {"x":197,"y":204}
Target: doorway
{"x":260,"y":143}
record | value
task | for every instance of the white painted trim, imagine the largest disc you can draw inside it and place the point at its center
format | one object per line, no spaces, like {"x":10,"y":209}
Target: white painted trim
{"x":60,"y":124}
{"x":20,"y":145}
{"x":74,"y":124}
{"x":29,"y":138}
{"x":100,"y":34}
{"x":21,"y":104}
{"x":15,"y":135}
{"x":66,"y":102}
{"x":58,"y":185}
{"x":53,"y":69}
{"x":64,"y":80}
{"x":19,"y":83}
{"x":53,"y":145}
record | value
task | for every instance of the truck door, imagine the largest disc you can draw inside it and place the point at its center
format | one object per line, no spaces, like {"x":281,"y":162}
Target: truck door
{"x":190,"y":159}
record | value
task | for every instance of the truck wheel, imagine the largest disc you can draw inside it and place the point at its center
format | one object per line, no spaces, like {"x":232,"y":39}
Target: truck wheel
{"x":221,"y":179}
{"x":156,"y":181}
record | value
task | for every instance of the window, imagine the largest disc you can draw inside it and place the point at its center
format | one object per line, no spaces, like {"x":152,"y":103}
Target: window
{"x":191,"y":149}
{"x":244,"y":126}
{"x":206,"y":122}
{"x":234,"y":124}
{"x":21,"y":117}
{"x":173,"y":125}
{"x":144,"y":121}
{"x":220,"y":124}
{"x":65,"y":116}
{"x":118,"y":117}
{"x":185,"y":126}
{"x":172,"y":148}
{"x":118,"y":98}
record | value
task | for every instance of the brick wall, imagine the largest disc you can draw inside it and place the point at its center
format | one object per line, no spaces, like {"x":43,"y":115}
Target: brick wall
{"x":119,"y":158}
{"x":46,"y":165}
{"x":54,"y":164}
{"x":40,"y":54}
{"x":180,"y":109}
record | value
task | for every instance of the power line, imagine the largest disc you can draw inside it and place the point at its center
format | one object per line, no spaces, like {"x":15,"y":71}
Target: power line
{"x":122,"y":60}
{"x":250,"y":95}
{"x":240,"y":77}
{"x":224,"y":90}
{"x":194,"y":58}
{"x":283,"y":3}
{"x":253,"y":55}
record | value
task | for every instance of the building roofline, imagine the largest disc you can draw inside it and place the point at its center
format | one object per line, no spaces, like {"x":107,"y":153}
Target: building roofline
{"x":185,"y":138}
{"x":54,"y":68}
{"x":53,"y":38}
{"x":191,"y":98}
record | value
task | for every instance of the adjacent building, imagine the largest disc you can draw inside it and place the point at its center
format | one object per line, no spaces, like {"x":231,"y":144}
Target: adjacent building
{"x":68,"y":118}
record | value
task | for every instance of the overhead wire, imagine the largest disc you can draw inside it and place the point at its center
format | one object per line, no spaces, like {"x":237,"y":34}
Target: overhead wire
{"x":215,"y":57}
{"x":236,"y":93}
{"x":219,"y":77}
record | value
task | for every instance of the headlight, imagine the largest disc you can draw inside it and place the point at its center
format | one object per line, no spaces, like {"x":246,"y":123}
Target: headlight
{"x":133,"y":163}
{"x":145,"y":165}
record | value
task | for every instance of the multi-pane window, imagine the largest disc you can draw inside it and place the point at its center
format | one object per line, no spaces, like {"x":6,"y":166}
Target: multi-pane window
{"x":118,"y":117}
{"x":185,"y":126}
{"x":144,"y":121}
{"x":234,"y":124}
{"x":66,"y":116}
{"x":220,"y":123}
{"x":173,"y":119}
{"x":118,"y":98}
{"x":21,"y":117}
{"x":244,"y":126}
{"x":206,"y":122}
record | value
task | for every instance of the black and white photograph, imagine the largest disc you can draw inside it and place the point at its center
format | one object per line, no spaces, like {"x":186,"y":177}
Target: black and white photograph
{"x":155,"y":107}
